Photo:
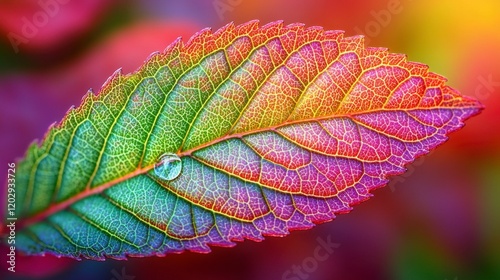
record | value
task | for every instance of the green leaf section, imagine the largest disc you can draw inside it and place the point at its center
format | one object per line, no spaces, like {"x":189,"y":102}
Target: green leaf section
{"x":141,"y":117}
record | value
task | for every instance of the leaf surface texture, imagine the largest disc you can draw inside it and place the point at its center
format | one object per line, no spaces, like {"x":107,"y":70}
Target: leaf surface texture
{"x":237,"y":134}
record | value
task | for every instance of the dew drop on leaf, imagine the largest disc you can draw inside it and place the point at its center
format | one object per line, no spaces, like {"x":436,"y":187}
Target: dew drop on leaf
{"x":168,"y":167}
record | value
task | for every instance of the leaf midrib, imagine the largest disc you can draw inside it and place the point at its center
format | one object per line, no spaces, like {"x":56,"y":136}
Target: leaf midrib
{"x":54,"y":208}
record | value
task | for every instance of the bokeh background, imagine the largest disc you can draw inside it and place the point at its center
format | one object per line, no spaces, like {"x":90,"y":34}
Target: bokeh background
{"x":441,"y":220}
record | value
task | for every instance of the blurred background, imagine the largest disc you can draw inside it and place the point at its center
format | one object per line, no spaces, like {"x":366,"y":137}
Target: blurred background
{"x":441,"y":220}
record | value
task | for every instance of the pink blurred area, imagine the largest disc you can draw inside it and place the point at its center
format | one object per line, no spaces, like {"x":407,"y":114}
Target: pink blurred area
{"x":438,"y":221}
{"x":39,"y":26}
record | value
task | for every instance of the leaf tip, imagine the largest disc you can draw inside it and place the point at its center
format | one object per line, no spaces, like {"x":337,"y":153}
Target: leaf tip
{"x":113,"y":78}
{"x":174,"y":48}
{"x":272,"y":24}
{"x":295,"y":25}
{"x":249,"y":24}
{"x":151,"y":56}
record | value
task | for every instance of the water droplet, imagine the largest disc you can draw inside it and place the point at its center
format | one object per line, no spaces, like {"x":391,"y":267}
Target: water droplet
{"x":168,"y":167}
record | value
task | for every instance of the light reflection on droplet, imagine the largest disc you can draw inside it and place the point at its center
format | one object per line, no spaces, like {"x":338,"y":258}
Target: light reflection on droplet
{"x":168,"y":167}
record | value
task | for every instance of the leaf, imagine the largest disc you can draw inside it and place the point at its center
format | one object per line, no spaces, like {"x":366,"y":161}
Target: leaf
{"x":238,"y":134}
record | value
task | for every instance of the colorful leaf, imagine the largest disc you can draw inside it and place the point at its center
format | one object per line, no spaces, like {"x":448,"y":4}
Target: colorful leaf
{"x":238,"y":134}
